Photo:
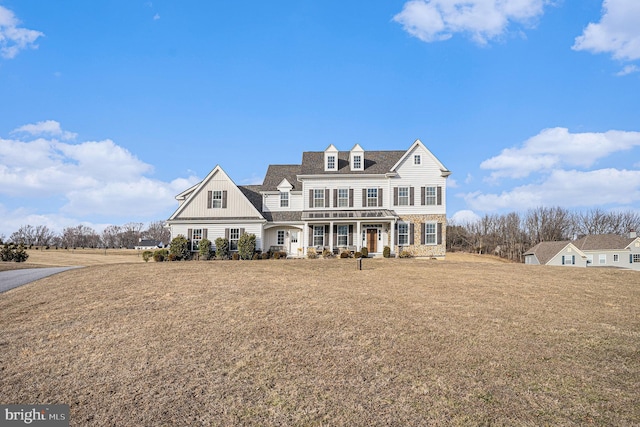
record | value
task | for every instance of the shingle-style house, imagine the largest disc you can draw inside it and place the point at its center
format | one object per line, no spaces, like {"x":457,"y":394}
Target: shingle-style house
{"x":603,"y":250}
{"x":333,"y":200}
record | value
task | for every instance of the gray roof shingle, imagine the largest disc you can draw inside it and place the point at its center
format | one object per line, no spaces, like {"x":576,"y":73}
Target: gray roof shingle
{"x":375,"y":162}
{"x":602,"y":242}
{"x":545,"y":251}
{"x":276,"y":173}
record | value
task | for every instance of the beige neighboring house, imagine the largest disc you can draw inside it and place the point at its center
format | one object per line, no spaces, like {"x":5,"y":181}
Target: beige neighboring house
{"x":335,"y":200}
{"x":602,"y":250}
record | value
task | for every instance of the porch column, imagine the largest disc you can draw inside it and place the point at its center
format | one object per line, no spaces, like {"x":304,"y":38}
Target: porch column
{"x":392,"y":234}
{"x":358,"y":237}
{"x":305,"y":237}
{"x":331,"y":236}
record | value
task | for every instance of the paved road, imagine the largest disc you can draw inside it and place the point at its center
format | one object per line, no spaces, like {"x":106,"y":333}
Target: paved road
{"x":14,"y":278}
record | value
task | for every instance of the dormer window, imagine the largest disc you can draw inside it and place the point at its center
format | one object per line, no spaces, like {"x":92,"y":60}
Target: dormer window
{"x":357,"y":161}
{"x":331,"y":158}
{"x":356,"y":158}
{"x":331,"y":162}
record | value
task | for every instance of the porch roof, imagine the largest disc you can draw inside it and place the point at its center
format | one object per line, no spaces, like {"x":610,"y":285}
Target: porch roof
{"x":350,"y":215}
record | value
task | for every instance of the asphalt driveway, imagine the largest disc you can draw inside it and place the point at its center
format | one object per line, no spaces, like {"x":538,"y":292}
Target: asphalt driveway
{"x":14,"y":278}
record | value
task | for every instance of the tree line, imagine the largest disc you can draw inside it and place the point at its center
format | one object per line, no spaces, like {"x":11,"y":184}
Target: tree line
{"x":511,"y":235}
{"x":82,"y":236}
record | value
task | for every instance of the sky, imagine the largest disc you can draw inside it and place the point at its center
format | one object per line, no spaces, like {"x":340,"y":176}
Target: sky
{"x":108,"y":109}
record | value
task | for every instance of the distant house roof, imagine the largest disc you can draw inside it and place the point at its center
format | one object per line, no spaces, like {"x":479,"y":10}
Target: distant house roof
{"x":375,"y":162}
{"x":602,"y":242}
{"x":545,"y":251}
{"x":148,"y":243}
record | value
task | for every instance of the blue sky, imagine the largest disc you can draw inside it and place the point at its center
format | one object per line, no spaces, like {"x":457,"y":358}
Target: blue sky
{"x":111,"y":108}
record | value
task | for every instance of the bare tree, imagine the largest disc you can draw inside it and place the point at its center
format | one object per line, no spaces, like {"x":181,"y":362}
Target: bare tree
{"x":26,"y":235}
{"x":80,"y":236}
{"x":131,"y":234}
{"x":548,"y":224}
{"x":111,"y":236}
{"x":157,"y":231}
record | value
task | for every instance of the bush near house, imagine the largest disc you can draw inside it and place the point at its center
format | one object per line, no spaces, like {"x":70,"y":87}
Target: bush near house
{"x":160,"y":255}
{"x":179,"y":248}
{"x":246,"y":245}
{"x":205,"y":249}
{"x":386,"y":252}
{"x":146,"y":255}
{"x":365,"y":252}
{"x":222,"y":248}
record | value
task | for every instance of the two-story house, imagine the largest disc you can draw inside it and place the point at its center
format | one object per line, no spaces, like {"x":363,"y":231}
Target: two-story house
{"x":333,"y":200}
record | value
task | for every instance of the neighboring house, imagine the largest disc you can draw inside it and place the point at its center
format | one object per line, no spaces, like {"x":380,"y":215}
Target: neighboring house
{"x":602,"y":250}
{"x":333,"y":200}
{"x":147,"y":244}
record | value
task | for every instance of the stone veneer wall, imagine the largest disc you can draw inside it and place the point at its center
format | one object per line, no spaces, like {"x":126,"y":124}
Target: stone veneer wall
{"x":419,"y":250}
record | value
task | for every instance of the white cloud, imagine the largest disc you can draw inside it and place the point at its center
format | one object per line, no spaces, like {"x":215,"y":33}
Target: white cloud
{"x":557,"y":147}
{"x":483,"y":20}
{"x":156,"y":16}
{"x":13,"y":39}
{"x":567,"y":189}
{"x":45,"y":128}
{"x":629,"y":69}
{"x":91,"y":178}
{"x":618,"y":31}
{"x":464,"y":217}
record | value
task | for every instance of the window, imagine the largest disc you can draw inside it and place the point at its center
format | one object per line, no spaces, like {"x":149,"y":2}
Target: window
{"x":331,"y":162}
{"x":318,"y":198}
{"x":234,"y":235}
{"x":635,"y":258}
{"x":616,"y":258}
{"x":417,"y":159}
{"x":403,"y":234}
{"x":216,"y":199}
{"x":318,"y":235}
{"x":294,"y":237}
{"x":430,"y":233}
{"x":602,"y":259}
{"x":430,"y":195}
{"x":357,"y":162}
{"x":196,"y":236}
{"x":372,"y":197}
{"x":280,"y":237}
{"x":343,"y":197}
{"x":284,"y":199}
{"x":343,"y":231}
{"x":403,"y":196}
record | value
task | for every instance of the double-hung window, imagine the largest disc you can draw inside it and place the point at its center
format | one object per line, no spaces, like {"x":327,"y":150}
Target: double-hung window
{"x":318,"y":235}
{"x":417,"y":159}
{"x":372,"y":197}
{"x":216,"y":199}
{"x":430,"y":196}
{"x":430,"y":230}
{"x":357,"y":162}
{"x":403,"y":196}
{"x":331,"y":162}
{"x":635,"y":257}
{"x":196,"y":236}
{"x":318,"y":198}
{"x":602,"y":259}
{"x":403,"y":233}
{"x":280,"y":237}
{"x":234,"y":236}
{"x":284,"y":199}
{"x":343,"y":231}
{"x":343,"y":197}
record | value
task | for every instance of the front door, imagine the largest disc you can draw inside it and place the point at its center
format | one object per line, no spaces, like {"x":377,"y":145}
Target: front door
{"x":372,"y":240}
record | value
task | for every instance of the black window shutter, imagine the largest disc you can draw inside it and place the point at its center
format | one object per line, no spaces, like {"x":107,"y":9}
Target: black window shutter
{"x":224,"y":199}
{"x":396,"y":233}
{"x":439,"y":233}
{"x":573,"y":259}
{"x":335,"y":235}
{"x":209,"y":198}
{"x":395,"y":196}
{"x":326,"y":234}
{"x":439,"y":196}
{"x":411,"y":195}
{"x":411,"y":233}
{"x":364,"y":197}
{"x":310,"y":198}
{"x":335,"y":197}
{"x":422,"y":197}
{"x":562,"y":259}
{"x":379,"y":197}
{"x":310,"y":235}
{"x":326,"y":198}
{"x":351,"y":197}
{"x":350,"y":235}
{"x":423,"y":234}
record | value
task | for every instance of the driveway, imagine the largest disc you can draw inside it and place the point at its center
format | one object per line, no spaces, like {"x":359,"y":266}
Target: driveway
{"x":14,"y":278}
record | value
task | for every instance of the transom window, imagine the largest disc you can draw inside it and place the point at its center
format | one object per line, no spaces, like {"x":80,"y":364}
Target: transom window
{"x":318,"y":235}
{"x":403,"y":233}
{"x":196,"y":236}
{"x":417,"y":159}
{"x":284,"y":199}
{"x":403,"y":196}
{"x":430,"y":234}
{"x":280,"y":237}
{"x":343,"y":231}
{"x":343,"y":197}
{"x":372,"y":197}
{"x":234,"y":235}
{"x":331,"y":162}
{"x":318,"y":198}
{"x":216,"y":199}
{"x":430,"y":195}
{"x":357,"y":162}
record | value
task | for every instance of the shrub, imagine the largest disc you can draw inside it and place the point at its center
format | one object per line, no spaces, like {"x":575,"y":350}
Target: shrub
{"x":246,"y":245}
{"x":327,"y":253}
{"x":205,"y":249}
{"x":179,"y":247}
{"x":276,"y":255}
{"x":358,"y":255}
{"x":265,"y":255}
{"x":345,"y":254}
{"x":365,"y":252}
{"x":312,"y":253}
{"x":160,"y":255}
{"x":386,"y":252}
{"x":406,"y":254}
{"x":222,"y":248}
{"x":256,"y":256}
{"x":20,"y":254}
{"x":146,"y":255}
{"x":235,"y":256}
{"x":7,"y":252}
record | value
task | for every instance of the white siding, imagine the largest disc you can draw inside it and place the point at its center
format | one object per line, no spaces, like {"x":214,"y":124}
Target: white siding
{"x":217,"y":230}
{"x":271,"y":203}
{"x":355,"y":183}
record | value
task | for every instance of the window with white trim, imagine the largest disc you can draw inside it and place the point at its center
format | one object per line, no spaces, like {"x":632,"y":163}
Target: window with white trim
{"x":602,"y":258}
{"x":216,"y":199}
{"x":430,"y":230}
{"x":403,"y":196}
{"x":403,"y":233}
{"x":294,"y":237}
{"x":331,"y":162}
{"x":357,"y":162}
{"x":616,"y":258}
{"x":343,"y":197}
{"x":343,"y":234}
{"x":372,"y":197}
{"x":417,"y":159}
{"x":284,"y":199}
{"x":318,"y":198}
{"x":196,"y":236}
{"x":318,"y":235}
{"x":280,"y":237}
{"x":636,"y":258}
{"x":430,"y":196}
{"x":234,"y":236}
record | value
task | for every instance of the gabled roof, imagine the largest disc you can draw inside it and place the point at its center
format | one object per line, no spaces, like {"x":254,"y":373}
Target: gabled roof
{"x":276,"y":173}
{"x":418,"y":143}
{"x":252,"y":193}
{"x":602,"y":242}
{"x":375,"y":162}
{"x":545,"y":251}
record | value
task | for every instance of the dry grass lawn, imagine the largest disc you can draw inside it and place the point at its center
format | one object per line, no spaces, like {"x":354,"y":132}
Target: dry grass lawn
{"x":316,"y":342}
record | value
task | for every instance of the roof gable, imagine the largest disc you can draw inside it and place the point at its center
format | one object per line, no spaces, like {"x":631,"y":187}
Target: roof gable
{"x":546,"y":251}
{"x":418,"y":144}
{"x":600,"y":242}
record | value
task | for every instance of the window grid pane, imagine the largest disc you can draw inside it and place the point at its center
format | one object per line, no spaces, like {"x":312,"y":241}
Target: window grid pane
{"x":318,"y":198}
{"x":430,"y":234}
{"x":284,"y":200}
{"x":343,"y":197}
{"x":216,"y":199}
{"x":372,"y":197}
{"x":342,"y":235}
{"x":403,"y":234}
{"x":430,"y":195}
{"x":403,"y":196}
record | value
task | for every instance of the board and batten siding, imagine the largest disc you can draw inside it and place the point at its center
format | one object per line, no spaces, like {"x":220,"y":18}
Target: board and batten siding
{"x":237,"y":203}
{"x":218,"y":230}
